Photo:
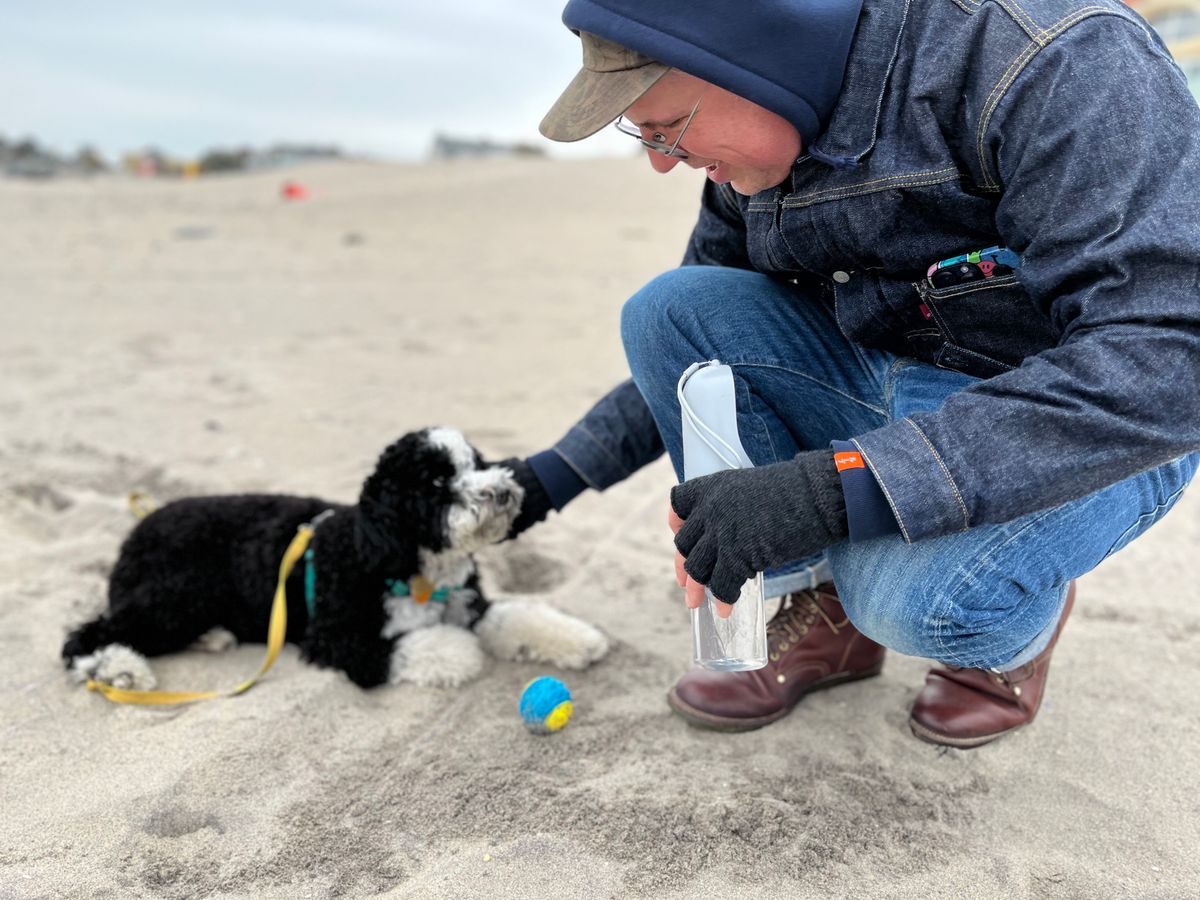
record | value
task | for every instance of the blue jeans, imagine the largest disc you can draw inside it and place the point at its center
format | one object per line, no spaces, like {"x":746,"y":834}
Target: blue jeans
{"x":989,"y":597}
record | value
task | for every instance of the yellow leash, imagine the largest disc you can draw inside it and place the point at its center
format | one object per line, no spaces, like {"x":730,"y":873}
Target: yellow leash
{"x":275,"y":634}
{"x":141,"y":504}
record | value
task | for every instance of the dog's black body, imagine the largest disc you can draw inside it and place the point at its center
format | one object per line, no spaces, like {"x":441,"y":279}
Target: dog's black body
{"x":213,"y":562}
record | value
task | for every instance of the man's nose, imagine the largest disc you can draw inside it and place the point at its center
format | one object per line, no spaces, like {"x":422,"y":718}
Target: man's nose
{"x":661,"y":163}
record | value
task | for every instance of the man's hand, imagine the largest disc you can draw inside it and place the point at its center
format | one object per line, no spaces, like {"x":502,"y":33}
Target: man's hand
{"x":694,"y":590}
{"x":736,"y":523}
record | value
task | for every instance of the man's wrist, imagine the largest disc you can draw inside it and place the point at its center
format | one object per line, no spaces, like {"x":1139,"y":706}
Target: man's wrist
{"x":868,"y":513}
{"x":824,"y":481}
{"x":560,"y":483}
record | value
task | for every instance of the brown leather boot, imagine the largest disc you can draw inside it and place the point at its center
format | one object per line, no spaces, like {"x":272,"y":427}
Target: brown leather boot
{"x":810,"y":645}
{"x":969,"y":707}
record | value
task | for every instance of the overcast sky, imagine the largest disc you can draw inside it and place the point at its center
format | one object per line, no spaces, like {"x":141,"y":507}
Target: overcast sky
{"x":374,"y":76}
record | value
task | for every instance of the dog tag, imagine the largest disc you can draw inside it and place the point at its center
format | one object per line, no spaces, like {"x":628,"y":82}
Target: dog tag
{"x":421,"y":588}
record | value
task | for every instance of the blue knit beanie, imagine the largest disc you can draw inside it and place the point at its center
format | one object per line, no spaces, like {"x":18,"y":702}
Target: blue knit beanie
{"x":788,"y":56}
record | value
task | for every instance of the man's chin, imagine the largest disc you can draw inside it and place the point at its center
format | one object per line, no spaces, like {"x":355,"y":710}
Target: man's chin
{"x":752,"y":185}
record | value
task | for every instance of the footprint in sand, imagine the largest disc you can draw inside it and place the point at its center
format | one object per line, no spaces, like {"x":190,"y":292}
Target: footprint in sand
{"x":43,"y":496}
{"x":523,"y":570}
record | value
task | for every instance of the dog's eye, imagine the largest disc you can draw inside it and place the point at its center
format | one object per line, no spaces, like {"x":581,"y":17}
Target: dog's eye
{"x":439,"y":482}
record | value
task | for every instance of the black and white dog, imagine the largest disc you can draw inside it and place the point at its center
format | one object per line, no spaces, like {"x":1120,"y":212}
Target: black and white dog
{"x":207,"y":567}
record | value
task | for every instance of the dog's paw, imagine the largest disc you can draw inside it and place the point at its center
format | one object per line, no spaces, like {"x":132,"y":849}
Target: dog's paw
{"x":529,"y":632}
{"x":438,"y":656}
{"x":117,"y":665}
{"x":218,"y":640}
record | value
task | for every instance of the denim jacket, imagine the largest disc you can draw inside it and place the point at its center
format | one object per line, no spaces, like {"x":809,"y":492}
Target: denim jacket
{"x":1060,"y":129}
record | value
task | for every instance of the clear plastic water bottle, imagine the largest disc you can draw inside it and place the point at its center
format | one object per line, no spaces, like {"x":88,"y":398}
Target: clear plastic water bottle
{"x":711,"y":444}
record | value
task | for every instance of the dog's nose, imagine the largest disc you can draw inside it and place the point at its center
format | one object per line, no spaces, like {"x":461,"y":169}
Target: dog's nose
{"x":503,"y":495}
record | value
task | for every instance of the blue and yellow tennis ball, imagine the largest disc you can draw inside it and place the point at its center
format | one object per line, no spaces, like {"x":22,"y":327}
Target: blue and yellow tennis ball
{"x":546,"y":705}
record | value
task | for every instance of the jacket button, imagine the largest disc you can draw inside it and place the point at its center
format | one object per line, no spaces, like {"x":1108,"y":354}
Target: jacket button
{"x":841,"y":277}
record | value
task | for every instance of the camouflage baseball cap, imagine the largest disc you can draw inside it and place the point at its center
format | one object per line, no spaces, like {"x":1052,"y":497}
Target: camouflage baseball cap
{"x":611,"y":80}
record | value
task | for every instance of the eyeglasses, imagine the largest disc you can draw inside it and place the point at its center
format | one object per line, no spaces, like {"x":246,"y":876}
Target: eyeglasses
{"x":658,"y":145}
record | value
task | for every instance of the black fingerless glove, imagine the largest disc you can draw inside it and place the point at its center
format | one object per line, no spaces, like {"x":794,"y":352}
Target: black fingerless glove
{"x":536,"y":505}
{"x":742,"y":521}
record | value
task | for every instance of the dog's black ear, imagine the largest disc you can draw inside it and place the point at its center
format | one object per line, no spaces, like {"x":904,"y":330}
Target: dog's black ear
{"x":402,"y":502}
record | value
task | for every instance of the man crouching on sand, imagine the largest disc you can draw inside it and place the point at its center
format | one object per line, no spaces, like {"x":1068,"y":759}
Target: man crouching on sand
{"x":939,"y":453}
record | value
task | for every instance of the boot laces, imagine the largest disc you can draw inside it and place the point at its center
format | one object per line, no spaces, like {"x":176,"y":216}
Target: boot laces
{"x":798,"y":613}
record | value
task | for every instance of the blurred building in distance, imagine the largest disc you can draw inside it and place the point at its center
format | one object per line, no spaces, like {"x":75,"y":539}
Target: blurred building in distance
{"x":447,"y":147}
{"x":153,"y":162}
{"x":27,"y":158}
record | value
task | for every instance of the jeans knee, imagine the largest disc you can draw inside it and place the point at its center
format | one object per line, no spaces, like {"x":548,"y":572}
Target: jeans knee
{"x":654,"y":330}
{"x":887,"y":616}
{"x":696,"y":313}
{"x":647,"y":321}
{"x":971,"y":624}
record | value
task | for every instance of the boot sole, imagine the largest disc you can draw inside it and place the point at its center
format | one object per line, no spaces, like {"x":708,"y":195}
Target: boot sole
{"x":709,"y":721}
{"x":965,"y":743}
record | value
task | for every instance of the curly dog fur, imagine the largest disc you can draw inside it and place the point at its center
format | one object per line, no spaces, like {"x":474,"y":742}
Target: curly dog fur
{"x":207,"y":563}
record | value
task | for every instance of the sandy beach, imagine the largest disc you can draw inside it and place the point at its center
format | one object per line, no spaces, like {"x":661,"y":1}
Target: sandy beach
{"x":209,"y":337}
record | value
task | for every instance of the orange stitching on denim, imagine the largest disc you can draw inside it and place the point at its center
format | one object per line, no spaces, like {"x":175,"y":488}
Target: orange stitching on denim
{"x":945,"y":472}
{"x":874,"y":181}
{"x":1023,"y":19}
{"x":917,"y":179}
{"x":986,"y":285}
{"x":944,"y":327}
{"x":993,"y":100}
{"x":958,"y":348}
{"x":814,"y":201}
{"x":1015,"y":68}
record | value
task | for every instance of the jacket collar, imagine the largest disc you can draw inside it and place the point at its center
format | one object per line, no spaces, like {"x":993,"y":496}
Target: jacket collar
{"x":854,"y":123}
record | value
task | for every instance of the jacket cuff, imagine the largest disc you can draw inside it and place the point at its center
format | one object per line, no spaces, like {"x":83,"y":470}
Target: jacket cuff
{"x":590,"y":459}
{"x":915,"y":481}
{"x":867,"y":509}
{"x":561,"y":483}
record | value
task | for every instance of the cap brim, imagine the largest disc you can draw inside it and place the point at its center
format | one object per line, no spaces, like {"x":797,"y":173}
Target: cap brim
{"x":594,"y":99}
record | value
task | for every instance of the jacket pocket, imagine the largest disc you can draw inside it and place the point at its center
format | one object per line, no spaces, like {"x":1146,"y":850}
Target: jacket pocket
{"x":986,"y":327}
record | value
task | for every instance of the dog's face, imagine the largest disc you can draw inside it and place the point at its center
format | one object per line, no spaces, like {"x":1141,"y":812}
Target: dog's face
{"x":431,"y":490}
{"x":481,"y":500}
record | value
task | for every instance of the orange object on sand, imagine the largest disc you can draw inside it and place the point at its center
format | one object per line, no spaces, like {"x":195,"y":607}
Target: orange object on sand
{"x":294,"y":190}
